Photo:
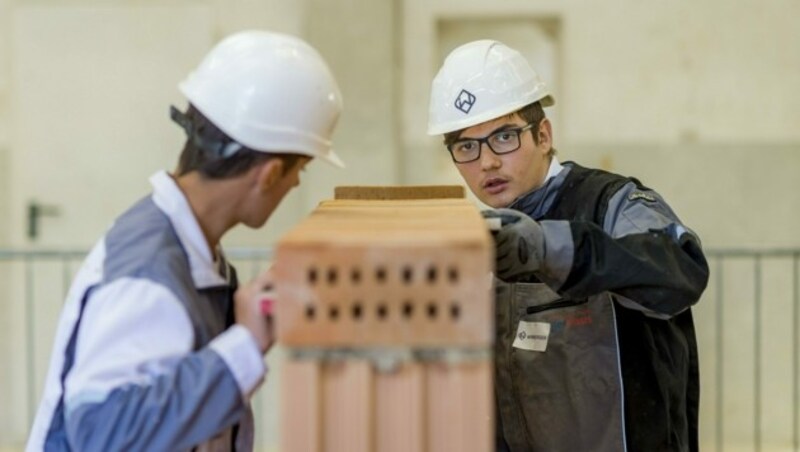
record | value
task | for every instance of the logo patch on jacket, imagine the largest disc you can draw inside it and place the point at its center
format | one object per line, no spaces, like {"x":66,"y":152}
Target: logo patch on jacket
{"x":532,"y":336}
{"x":641,"y":195}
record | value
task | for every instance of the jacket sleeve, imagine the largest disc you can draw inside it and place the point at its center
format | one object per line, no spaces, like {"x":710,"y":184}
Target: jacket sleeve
{"x":136,"y":383}
{"x":642,"y":253}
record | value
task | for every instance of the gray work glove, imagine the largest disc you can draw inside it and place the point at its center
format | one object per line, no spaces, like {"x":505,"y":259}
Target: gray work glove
{"x":519,"y":244}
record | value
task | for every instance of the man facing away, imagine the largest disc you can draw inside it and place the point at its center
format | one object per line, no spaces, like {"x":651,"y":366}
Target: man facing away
{"x":156,"y":348}
{"x":595,"y":345}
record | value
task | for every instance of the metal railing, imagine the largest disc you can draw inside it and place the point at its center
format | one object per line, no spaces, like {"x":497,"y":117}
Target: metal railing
{"x":722,"y":294}
{"x":757,"y":258}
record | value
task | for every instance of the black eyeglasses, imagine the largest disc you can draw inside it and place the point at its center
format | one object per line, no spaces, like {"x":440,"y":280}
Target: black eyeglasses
{"x":501,"y":142}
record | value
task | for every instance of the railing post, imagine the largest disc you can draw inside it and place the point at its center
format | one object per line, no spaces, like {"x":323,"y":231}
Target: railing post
{"x":719,"y":352}
{"x":30,"y":346}
{"x":796,"y":353}
{"x":757,"y":354}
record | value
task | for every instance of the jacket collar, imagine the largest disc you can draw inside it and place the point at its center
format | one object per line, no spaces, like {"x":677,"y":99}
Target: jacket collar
{"x":538,"y":201}
{"x":206,"y":272}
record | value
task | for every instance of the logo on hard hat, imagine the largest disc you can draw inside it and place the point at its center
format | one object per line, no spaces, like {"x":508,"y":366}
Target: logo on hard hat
{"x":465,"y":101}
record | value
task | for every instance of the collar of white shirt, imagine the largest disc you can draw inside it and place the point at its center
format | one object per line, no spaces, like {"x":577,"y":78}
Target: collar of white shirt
{"x":171,"y":200}
{"x":555,"y":168}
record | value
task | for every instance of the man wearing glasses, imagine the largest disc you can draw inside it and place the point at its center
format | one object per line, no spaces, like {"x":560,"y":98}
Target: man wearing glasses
{"x":595,"y":274}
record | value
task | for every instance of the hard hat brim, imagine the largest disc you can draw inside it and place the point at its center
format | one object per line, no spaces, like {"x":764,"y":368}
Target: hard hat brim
{"x":334,"y":159}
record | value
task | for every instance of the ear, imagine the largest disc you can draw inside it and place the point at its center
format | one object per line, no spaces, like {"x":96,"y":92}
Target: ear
{"x":545,"y":134}
{"x":269,"y":174}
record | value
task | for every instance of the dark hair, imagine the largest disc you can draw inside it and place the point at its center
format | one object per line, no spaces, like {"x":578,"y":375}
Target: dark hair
{"x":213,"y":166}
{"x":531,"y":114}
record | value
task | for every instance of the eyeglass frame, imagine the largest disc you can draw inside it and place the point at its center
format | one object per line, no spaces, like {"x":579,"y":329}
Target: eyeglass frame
{"x":485,"y":140}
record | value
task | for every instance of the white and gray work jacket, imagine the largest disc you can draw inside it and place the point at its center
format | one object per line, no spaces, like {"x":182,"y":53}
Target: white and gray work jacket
{"x":145,"y":357}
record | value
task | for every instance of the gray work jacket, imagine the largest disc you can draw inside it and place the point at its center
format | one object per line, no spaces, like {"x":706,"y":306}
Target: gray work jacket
{"x":598,"y":351}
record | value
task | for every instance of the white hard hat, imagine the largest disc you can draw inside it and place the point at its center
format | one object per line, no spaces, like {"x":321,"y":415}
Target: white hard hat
{"x":270,"y":92}
{"x":480,"y":81}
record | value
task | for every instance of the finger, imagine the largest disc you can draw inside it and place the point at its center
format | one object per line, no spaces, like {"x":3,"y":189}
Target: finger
{"x":504,"y":243}
{"x":502,"y":236}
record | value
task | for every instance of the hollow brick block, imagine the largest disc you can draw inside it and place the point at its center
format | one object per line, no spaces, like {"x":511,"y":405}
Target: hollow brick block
{"x":386,"y":272}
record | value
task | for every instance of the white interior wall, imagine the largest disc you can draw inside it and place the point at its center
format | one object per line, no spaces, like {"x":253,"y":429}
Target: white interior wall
{"x":680,"y":71}
{"x":5,"y":321}
{"x":5,"y":125}
{"x":356,"y":36}
{"x":88,"y":149}
{"x":700,"y":100}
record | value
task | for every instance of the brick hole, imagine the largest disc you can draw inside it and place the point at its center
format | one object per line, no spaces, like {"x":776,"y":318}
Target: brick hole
{"x":408,"y":275}
{"x":357,"y":310}
{"x":455,"y":311}
{"x":355,"y":276}
{"x":333,"y":312}
{"x":382,"y":311}
{"x":310,"y":312}
{"x":408,"y":309}
{"x":333,"y":275}
{"x":380,"y":274}
{"x":312,"y":275}
{"x":433,"y":273}
{"x":452,"y":274}
{"x":433,"y":310}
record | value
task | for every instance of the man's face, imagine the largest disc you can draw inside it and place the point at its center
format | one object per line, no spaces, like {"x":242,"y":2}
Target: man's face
{"x":497,"y":180}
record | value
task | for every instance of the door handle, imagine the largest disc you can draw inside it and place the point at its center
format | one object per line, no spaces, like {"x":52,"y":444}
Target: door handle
{"x":37,"y":210}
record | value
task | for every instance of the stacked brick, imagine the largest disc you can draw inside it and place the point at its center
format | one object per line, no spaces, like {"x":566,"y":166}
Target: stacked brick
{"x":385,"y":308}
